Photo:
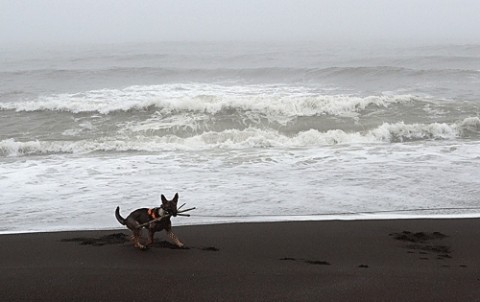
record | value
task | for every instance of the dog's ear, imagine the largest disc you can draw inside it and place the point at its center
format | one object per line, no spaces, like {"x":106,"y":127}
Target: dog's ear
{"x":175,"y":198}
{"x":164,"y":200}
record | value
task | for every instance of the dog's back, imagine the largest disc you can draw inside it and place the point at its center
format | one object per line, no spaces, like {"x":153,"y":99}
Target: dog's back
{"x":135,"y":219}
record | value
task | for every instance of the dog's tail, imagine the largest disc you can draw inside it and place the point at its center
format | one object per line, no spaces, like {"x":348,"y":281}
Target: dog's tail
{"x":119,"y":217}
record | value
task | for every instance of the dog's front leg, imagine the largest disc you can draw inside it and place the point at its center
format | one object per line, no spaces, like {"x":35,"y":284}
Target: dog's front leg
{"x":174,"y":238}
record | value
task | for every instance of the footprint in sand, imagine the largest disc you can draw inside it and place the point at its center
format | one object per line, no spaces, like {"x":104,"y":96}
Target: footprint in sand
{"x":424,"y":243}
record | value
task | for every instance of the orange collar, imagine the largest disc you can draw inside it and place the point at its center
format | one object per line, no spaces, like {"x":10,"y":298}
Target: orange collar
{"x":151,"y":213}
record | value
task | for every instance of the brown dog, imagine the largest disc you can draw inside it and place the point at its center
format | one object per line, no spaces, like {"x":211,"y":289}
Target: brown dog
{"x":141,"y":217}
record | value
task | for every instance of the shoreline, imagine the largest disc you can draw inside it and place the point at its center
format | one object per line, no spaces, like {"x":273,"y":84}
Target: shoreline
{"x":372,"y":260}
{"x":274,"y":219}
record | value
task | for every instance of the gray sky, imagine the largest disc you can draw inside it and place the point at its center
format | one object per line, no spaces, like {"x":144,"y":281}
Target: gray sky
{"x":107,"y":21}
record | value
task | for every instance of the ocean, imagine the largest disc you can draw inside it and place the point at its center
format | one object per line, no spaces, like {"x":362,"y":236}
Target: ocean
{"x":242,"y":131}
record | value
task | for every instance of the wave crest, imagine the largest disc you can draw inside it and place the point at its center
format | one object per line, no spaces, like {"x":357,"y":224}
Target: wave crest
{"x":211,"y":99}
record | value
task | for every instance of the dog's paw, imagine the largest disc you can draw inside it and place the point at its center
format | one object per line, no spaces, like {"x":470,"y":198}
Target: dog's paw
{"x":141,"y":247}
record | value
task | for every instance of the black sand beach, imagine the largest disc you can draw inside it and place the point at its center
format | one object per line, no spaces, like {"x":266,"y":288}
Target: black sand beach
{"x":397,"y":260}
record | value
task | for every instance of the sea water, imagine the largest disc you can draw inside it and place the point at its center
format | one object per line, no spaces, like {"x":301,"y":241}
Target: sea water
{"x":242,"y":131}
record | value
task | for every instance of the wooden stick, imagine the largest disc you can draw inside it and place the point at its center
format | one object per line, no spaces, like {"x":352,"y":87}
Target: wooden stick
{"x":186,"y":210}
{"x":153,"y":220}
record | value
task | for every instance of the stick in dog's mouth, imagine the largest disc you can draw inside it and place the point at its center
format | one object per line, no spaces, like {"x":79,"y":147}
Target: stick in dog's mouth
{"x":180,"y":213}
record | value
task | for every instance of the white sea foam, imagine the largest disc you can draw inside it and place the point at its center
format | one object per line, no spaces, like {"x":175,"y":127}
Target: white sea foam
{"x":247,"y":138}
{"x":208,"y":98}
{"x":358,"y":182}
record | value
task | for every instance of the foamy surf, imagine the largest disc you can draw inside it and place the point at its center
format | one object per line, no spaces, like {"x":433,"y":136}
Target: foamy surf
{"x":428,"y":179}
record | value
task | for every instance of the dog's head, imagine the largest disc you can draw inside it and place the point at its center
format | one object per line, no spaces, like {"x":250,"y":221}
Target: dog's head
{"x":170,"y":206}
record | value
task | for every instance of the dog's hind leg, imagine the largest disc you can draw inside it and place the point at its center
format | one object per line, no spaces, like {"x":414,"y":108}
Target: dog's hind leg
{"x":134,"y":225}
{"x":136,"y":240}
{"x":150,"y":237}
{"x":174,"y":238}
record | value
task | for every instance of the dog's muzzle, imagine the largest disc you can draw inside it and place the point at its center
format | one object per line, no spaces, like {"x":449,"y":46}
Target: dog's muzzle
{"x":171,"y":213}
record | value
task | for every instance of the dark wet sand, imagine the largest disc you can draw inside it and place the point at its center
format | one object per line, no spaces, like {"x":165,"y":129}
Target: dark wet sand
{"x":397,"y":260}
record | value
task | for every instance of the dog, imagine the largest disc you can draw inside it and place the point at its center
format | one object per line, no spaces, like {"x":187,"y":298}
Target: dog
{"x":143,"y":217}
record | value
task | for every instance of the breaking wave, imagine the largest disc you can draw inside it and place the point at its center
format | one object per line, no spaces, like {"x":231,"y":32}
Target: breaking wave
{"x":248,"y":138}
{"x":211,"y":99}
